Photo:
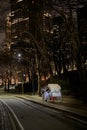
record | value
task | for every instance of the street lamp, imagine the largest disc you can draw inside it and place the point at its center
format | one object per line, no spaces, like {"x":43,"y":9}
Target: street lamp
{"x":19,"y":56}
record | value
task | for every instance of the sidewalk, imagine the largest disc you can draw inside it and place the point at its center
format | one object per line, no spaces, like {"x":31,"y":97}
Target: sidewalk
{"x":68,"y":104}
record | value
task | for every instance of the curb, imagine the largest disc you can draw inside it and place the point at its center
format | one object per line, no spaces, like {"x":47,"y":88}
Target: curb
{"x":69,"y":110}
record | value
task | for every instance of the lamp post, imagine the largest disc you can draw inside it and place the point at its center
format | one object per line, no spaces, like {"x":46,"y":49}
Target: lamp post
{"x":19,"y":56}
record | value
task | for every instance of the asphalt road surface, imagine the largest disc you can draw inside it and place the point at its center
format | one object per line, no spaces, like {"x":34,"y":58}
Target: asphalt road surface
{"x":33,"y":116}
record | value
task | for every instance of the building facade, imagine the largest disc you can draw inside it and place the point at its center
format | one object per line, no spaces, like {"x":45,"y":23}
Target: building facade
{"x":82,"y":29}
{"x":19,"y":19}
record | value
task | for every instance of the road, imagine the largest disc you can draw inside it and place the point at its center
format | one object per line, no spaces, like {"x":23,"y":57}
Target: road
{"x":31,"y":116}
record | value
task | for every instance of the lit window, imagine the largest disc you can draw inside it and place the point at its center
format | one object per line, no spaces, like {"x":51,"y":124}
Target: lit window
{"x":32,"y":1}
{"x":19,"y":0}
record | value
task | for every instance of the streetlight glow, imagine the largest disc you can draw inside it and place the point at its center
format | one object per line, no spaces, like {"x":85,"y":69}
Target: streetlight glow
{"x":19,"y":55}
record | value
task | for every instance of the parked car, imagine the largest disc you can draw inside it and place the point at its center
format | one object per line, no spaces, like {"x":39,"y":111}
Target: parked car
{"x":12,"y":88}
{"x":52,"y":92}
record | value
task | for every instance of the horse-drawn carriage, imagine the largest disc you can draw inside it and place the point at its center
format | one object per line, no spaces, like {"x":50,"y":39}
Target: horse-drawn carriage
{"x":52,"y":92}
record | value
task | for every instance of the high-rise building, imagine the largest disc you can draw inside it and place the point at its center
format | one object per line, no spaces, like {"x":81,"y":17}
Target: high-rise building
{"x":19,"y":19}
{"x":82,"y":29}
{"x":82,"y":24}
